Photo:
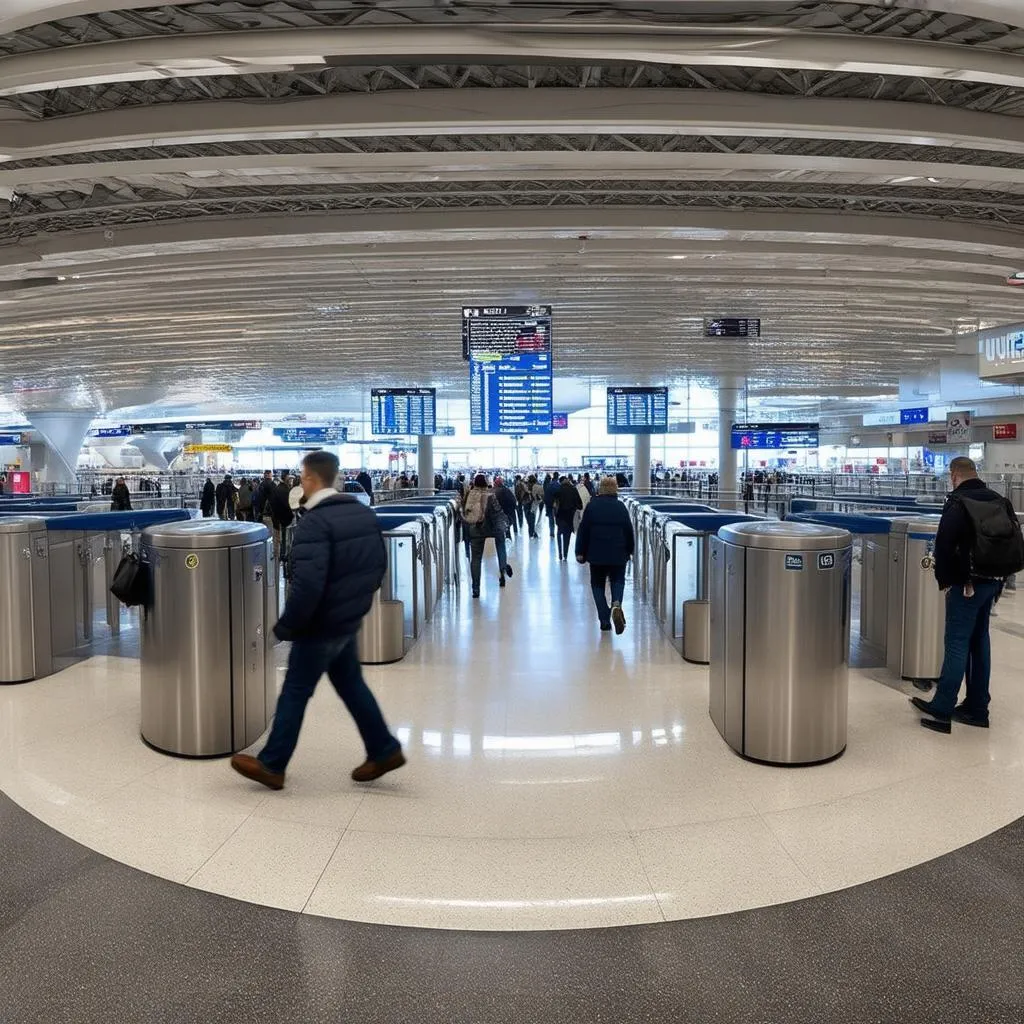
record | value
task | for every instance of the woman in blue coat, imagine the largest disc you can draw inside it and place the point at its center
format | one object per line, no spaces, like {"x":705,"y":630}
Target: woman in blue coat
{"x":605,"y":540}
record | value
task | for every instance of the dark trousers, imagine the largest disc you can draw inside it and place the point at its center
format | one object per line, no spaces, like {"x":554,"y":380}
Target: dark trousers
{"x":968,"y":650}
{"x":520,"y":513}
{"x":600,"y":577}
{"x":531,"y":520}
{"x":307,"y":662}
{"x":477,"y":556}
{"x":564,"y":538}
{"x":550,"y":510}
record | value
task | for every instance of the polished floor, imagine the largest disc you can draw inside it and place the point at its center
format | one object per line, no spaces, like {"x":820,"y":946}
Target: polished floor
{"x":558,"y":778}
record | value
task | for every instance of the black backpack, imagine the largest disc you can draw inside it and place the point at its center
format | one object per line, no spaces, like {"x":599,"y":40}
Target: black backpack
{"x":131,"y":583}
{"x":997,"y":549}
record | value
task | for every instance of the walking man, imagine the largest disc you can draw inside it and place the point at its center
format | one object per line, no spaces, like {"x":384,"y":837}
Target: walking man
{"x":978,"y":544}
{"x":605,"y":540}
{"x":338,"y":560}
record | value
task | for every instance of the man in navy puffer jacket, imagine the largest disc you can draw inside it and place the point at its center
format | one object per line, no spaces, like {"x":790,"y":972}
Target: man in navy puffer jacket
{"x":338,"y":560}
{"x":605,"y":540}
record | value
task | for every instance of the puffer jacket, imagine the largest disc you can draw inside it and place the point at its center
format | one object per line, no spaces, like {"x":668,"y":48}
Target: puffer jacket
{"x":337,"y":563}
{"x":605,"y":536}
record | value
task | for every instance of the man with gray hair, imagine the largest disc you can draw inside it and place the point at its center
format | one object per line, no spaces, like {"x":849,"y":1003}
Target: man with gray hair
{"x":605,"y":540}
{"x":978,"y":545}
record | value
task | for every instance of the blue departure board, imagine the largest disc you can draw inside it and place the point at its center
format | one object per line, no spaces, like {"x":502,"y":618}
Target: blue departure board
{"x":311,"y":435}
{"x":510,"y":383}
{"x":764,"y":436}
{"x":397,"y":412}
{"x":638,"y":410}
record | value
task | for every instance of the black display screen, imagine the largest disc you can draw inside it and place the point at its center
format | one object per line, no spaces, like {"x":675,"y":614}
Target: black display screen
{"x":765,"y":436}
{"x":732,"y":327}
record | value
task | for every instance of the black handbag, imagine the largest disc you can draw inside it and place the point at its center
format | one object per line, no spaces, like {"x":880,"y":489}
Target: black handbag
{"x":130,"y":584}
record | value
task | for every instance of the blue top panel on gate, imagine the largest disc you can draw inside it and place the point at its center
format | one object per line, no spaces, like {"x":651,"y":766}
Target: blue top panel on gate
{"x":109,"y":522}
{"x":854,"y":522}
{"x":711,"y":522}
{"x":682,"y":506}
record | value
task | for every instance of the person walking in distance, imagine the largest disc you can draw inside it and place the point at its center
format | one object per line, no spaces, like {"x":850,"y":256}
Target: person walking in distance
{"x":534,"y":504}
{"x":338,"y":561}
{"x":226,"y":498}
{"x":605,"y":539}
{"x":977,"y":546}
{"x":208,"y":499}
{"x":507,"y":500}
{"x":551,"y":489}
{"x":482,"y":518}
{"x":566,"y":506}
{"x":120,"y":498}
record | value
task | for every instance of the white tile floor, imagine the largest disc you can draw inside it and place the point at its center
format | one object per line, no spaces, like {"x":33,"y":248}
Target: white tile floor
{"x":557,"y":778}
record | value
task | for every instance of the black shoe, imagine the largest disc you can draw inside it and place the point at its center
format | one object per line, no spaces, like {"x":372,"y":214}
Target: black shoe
{"x":476,"y":593}
{"x":606,"y":628}
{"x":501,"y":581}
{"x":926,"y":707}
{"x":923,"y":684}
{"x":619,"y":618}
{"x":937,"y":725}
{"x":964,"y":716}
{"x":508,"y":570}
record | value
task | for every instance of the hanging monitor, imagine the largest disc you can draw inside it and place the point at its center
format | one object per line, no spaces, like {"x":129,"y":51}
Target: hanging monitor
{"x":765,"y":436}
{"x":732,"y":327}
{"x":510,"y":382}
{"x":397,"y":412}
{"x":638,"y":410}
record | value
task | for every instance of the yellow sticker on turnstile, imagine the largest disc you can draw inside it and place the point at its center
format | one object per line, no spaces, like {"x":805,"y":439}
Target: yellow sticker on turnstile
{"x":191,"y":560}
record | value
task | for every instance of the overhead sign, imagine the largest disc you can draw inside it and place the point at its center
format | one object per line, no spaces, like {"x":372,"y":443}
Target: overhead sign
{"x":1004,"y":432}
{"x":311,"y":435}
{"x":199,"y":449}
{"x":760,"y":436}
{"x":510,"y":369}
{"x":559,"y":421}
{"x":122,"y":431}
{"x":398,"y":411}
{"x":937,"y":437}
{"x":446,"y":431}
{"x":177,"y":426}
{"x":1001,"y":352}
{"x":959,"y":427}
{"x":918,"y":414}
{"x":10,"y":440}
{"x":881,"y":419}
{"x":732,"y":327}
{"x":637,"y":410}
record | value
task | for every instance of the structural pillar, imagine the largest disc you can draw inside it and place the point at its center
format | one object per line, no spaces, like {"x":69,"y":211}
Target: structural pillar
{"x":425,"y":463}
{"x":730,"y":404}
{"x":63,"y":433}
{"x":642,"y":463}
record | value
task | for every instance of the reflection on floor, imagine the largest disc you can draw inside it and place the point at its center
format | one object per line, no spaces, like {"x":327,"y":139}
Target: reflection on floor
{"x":558,"y":777}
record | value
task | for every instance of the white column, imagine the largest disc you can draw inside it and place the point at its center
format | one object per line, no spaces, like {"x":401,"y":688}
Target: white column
{"x":63,"y":433}
{"x":642,"y":463}
{"x":425,"y":462}
{"x":730,"y":404}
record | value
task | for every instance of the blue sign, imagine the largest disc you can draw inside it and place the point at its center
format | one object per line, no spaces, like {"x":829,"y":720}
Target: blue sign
{"x":447,"y":431}
{"x":312,"y":435}
{"x":122,"y":431}
{"x":910,"y":416}
{"x":637,"y":410}
{"x":757,"y":436}
{"x":10,"y":440}
{"x":400,"y":411}
{"x":795,"y":562}
{"x":510,"y":382}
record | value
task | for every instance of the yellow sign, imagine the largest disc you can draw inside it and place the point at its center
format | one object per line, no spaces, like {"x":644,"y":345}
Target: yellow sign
{"x":192,"y":561}
{"x":196,"y":449}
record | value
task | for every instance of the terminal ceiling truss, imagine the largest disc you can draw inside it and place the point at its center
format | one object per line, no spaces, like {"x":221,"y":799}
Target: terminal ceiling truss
{"x":199,"y":265}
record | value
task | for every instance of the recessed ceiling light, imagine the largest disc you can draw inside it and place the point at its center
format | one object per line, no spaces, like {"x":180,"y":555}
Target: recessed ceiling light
{"x":677,"y":257}
{"x":905,"y":179}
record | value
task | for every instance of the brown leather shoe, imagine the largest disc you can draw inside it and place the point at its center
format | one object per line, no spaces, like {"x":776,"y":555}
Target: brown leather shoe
{"x":253,"y":768}
{"x":370,"y":770}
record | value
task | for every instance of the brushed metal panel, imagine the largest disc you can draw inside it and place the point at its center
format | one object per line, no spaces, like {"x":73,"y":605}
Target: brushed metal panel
{"x":896,"y":603}
{"x":874,"y":589}
{"x":41,"y":604}
{"x":797,"y":657}
{"x":716,"y":671}
{"x":249,"y":664}
{"x":924,"y":630}
{"x":736,"y":640}
{"x":17,"y":644}
{"x":186,"y":654}
{"x":64,"y":566}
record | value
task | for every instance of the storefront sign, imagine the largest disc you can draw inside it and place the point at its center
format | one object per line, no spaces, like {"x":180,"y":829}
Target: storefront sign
{"x":937,"y":437}
{"x":959,"y":427}
{"x":1004,"y":432}
{"x":198,"y":449}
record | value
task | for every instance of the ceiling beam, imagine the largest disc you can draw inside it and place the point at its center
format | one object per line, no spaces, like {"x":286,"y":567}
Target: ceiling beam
{"x":512,"y":111}
{"x":282,"y":50}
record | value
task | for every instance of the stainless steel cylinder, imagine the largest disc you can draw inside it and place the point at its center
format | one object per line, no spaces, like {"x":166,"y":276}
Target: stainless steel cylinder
{"x":25,"y":644}
{"x":780,"y":638}
{"x":916,"y":630}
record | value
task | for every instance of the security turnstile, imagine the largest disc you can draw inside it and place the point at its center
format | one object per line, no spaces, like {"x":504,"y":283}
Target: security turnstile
{"x":25,"y":643}
{"x":780,"y":635}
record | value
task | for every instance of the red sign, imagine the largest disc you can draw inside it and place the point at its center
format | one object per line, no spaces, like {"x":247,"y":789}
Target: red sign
{"x":1004,"y":432}
{"x":20,"y":483}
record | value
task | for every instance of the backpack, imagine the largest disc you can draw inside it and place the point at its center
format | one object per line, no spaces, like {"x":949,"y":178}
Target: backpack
{"x":997,"y":548}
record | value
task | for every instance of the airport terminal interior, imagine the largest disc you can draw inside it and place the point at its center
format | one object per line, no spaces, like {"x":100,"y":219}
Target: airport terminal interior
{"x":747,"y":275}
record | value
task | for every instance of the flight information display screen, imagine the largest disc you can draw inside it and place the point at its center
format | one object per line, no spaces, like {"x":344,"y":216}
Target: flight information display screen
{"x":732,"y":327}
{"x":311,"y":435}
{"x":509,"y":352}
{"x":638,"y":410}
{"x":399,"y":411}
{"x":764,"y":436}
{"x":559,"y":421}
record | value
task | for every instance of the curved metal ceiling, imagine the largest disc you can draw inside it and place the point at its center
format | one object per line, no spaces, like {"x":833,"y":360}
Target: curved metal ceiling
{"x":211,"y":199}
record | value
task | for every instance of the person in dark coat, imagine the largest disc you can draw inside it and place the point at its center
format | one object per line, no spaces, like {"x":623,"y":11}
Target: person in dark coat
{"x":226,"y":498}
{"x":567,"y":504}
{"x":507,"y":500}
{"x":338,"y":561}
{"x":551,"y":490}
{"x":281,"y":516}
{"x":605,"y":540}
{"x":367,"y":481}
{"x":208,"y":499}
{"x":120,"y":498}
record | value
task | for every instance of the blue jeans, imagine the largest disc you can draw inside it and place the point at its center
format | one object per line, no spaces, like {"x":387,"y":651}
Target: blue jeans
{"x":307,"y":662}
{"x":968,"y":651}
{"x":600,"y":576}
